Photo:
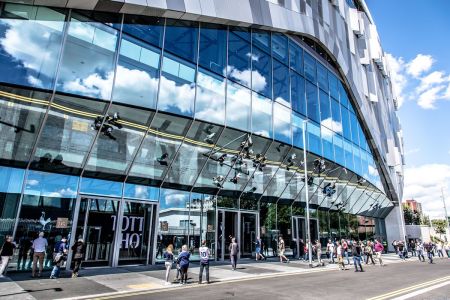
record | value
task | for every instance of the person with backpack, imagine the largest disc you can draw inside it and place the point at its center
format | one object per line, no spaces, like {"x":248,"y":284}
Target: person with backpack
{"x":234,"y":250}
{"x":357,"y":252}
{"x":59,"y":257}
{"x":168,"y":261}
{"x":204,"y":262}
{"x":79,"y":249}
{"x":6,"y":253}
{"x":183,"y":262}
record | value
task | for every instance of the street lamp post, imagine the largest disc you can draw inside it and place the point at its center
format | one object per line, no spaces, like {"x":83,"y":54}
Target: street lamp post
{"x":305,"y":167}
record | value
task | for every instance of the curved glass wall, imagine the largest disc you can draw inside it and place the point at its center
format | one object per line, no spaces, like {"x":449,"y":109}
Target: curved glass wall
{"x":203,"y":108}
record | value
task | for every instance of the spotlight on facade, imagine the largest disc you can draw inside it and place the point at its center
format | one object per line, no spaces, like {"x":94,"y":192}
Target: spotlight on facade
{"x":209,"y":138}
{"x":218,"y":180}
{"x":163,"y":159}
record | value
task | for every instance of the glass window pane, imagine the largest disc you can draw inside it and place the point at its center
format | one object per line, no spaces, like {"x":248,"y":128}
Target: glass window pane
{"x":346,"y":123}
{"x":147,"y":29}
{"x":21,"y":114}
{"x":309,"y":67}
{"x":213,"y":45}
{"x":282,"y":123}
{"x":261,"y":39}
{"x":141,"y":192}
{"x":137,"y":74}
{"x":238,"y":106}
{"x":314,"y":144}
{"x":354,"y":124}
{"x":239,"y":55}
{"x":334,"y":88}
{"x":210,"y":103}
{"x":322,"y":77}
{"x":325,"y":110}
{"x":339,"y":150}
{"x":87,"y":67}
{"x":298,"y":93}
{"x":101,"y":187}
{"x":280,"y":47}
{"x":30,"y":44}
{"x":10,"y":190}
{"x":349,"y":155}
{"x":177,"y":88}
{"x":297,"y":130}
{"x":312,"y":102}
{"x":68,"y":134}
{"x":181,"y":39}
{"x":327,"y":143}
{"x":261,"y":115}
{"x":295,"y":56}
{"x":261,"y":73}
{"x":281,"y":83}
{"x":336,"y":116}
{"x":343,"y":97}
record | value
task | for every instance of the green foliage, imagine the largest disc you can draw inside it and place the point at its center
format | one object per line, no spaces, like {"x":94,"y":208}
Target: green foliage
{"x":439,"y":226}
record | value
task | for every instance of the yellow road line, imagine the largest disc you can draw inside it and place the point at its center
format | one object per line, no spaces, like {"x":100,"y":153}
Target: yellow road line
{"x":410,"y":288}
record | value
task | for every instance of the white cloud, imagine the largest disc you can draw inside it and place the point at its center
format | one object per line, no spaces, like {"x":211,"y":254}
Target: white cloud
{"x":412,"y":151}
{"x":32,"y":182}
{"x":424,"y":183}
{"x":431,"y":79}
{"x":421,"y":63}
{"x":427,"y":99}
{"x":398,"y":77}
{"x":245,"y":77}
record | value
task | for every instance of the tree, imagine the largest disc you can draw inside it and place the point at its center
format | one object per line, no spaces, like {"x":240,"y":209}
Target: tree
{"x":439,"y":226}
{"x":408,"y":215}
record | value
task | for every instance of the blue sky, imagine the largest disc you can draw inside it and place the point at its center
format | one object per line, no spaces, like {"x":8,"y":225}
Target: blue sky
{"x":415,"y":34}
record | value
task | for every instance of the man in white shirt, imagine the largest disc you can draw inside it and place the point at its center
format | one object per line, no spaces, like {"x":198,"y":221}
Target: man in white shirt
{"x":39,"y":246}
{"x":330,"y":251}
{"x":204,"y":262}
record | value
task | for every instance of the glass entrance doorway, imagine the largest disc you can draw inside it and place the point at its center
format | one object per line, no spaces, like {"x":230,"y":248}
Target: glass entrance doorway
{"x":114,"y":235}
{"x":299,"y":231}
{"x":240,"y":225}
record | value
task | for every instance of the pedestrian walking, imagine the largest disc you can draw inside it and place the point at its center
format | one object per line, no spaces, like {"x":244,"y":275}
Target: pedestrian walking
{"x":301,"y":248}
{"x":439,"y":250}
{"x":429,"y":248}
{"x":183,"y":262}
{"x":400,"y":249}
{"x":378,"y":247}
{"x":306,"y":251}
{"x":369,"y":253}
{"x":340,"y":257}
{"x":258,"y":249}
{"x":330,"y":251}
{"x":168,"y":261}
{"x":59,"y":257}
{"x":234,"y":250}
{"x":412,"y":247}
{"x":318,"y":251}
{"x":24,"y":249}
{"x":204,"y":262}
{"x":357,"y":252}
{"x":39,"y":247}
{"x":281,"y":249}
{"x":447,"y":249}
{"x":78,"y":250}
{"x":6,"y":252}
{"x":420,"y":249}
{"x":345,"y":250}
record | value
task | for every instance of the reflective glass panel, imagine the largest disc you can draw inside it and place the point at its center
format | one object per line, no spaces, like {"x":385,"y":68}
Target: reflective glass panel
{"x":239,"y":56}
{"x":261,"y":72}
{"x":87,"y":67}
{"x":68,"y":133}
{"x":261,"y":115}
{"x":210,"y":103}
{"x":297,"y":130}
{"x":348,"y":155}
{"x":357,"y":159}
{"x":346,"y":123}
{"x":137,"y":73}
{"x":21,"y":115}
{"x":325,"y":110}
{"x":280,"y":47}
{"x":295,"y":56}
{"x":314,"y":143}
{"x":10,"y":190}
{"x":298,"y":93}
{"x":101,"y":187}
{"x":339,"y":150}
{"x":281,"y":83}
{"x":309,"y":67}
{"x":334,"y":88}
{"x":336,"y":116}
{"x":238,"y":106}
{"x":354,"y":124}
{"x":322,"y":77}
{"x":177,"y":87}
{"x":213,"y":47}
{"x":141,"y":192}
{"x":147,"y":29}
{"x":261,"y":39}
{"x":282,"y":123}
{"x":343,"y":95}
{"x":327,"y":143}
{"x":39,"y":29}
{"x":312,"y":102}
{"x":181,"y":39}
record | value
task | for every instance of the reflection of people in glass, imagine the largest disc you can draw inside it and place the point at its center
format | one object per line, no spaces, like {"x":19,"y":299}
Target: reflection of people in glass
{"x":79,"y":249}
{"x":24,"y":248}
{"x":40,"y":246}
{"x":160,"y":246}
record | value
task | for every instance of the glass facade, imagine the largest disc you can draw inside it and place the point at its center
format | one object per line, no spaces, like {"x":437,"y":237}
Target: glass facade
{"x":113,"y":116}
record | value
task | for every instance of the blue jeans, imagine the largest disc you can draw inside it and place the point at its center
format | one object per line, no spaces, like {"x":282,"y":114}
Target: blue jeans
{"x":430,"y":257}
{"x":56,"y":270}
{"x":346,"y":256}
{"x":357,"y":262}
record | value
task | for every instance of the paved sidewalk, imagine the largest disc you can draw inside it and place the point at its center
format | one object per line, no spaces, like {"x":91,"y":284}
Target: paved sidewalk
{"x":107,"y":281}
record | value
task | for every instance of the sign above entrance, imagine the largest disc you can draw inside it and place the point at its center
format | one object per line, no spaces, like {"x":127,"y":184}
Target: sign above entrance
{"x":62,"y":222}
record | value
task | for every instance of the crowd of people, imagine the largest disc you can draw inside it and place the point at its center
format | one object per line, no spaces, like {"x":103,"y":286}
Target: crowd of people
{"x":419,"y":248}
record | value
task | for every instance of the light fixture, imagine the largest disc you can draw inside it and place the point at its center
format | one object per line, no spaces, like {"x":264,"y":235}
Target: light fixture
{"x":221,"y":159}
{"x":291,"y":161}
{"x":360,"y":180}
{"x":218,"y":181}
{"x":107,"y":127}
{"x":209,"y":134}
{"x":235,"y":178}
{"x":319,"y":165}
{"x":163,"y":159}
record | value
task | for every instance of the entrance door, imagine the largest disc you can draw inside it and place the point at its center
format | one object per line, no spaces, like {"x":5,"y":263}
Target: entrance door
{"x":299,"y":230}
{"x":96,"y":226}
{"x":227,"y":228}
{"x":248,"y":233}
